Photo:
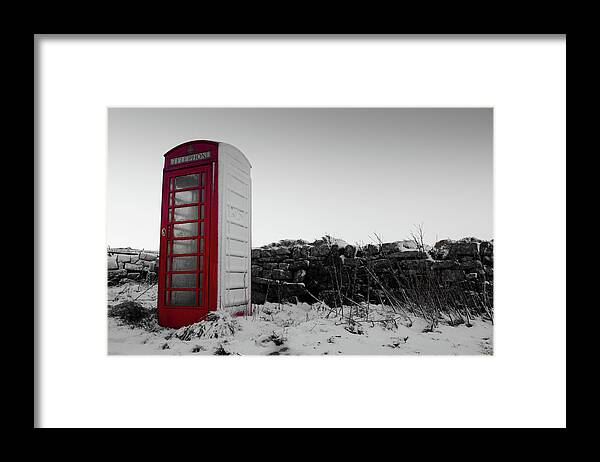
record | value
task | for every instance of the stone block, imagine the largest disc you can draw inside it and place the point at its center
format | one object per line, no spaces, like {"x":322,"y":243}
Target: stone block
{"x":445,"y":264}
{"x":378,"y":265}
{"x":116,"y":274}
{"x":299,"y":264}
{"x":300,"y":252}
{"x":408,"y":244}
{"x":417,"y":265}
{"x":112,"y":263}
{"x":453,"y":275}
{"x":282,"y":275}
{"x":463,"y":249}
{"x":349,"y":251}
{"x":124,"y":258}
{"x":282,"y":251}
{"x":471,"y":265}
{"x":299,"y":275}
{"x":443,"y":243}
{"x":263,"y":281}
{"x":391,"y":247}
{"x":267,"y":259}
{"x":320,"y":251}
{"x":408,"y":255}
{"x":486,"y":248}
{"x":147,"y":256}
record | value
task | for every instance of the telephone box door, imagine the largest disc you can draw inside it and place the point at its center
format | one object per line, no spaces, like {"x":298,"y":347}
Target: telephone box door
{"x":183,"y":286}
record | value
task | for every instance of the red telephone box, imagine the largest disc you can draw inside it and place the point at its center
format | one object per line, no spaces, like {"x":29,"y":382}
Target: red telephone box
{"x":205,"y":233}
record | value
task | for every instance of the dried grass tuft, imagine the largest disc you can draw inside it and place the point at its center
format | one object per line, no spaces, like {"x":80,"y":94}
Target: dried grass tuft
{"x":217,"y":324}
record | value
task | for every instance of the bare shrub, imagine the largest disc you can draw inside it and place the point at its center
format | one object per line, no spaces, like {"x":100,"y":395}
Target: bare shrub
{"x":418,"y":237}
{"x":134,"y":314}
{"x":421,"y":293}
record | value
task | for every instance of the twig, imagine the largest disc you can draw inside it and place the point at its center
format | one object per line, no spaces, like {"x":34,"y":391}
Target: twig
{"x":153,"y":284}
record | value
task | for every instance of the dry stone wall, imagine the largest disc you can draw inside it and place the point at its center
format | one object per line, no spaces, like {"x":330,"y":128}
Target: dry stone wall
{"x":337,"y":273}
{"x":127,"y":264}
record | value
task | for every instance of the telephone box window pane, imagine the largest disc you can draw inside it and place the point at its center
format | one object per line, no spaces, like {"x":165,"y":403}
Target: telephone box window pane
{"x":201,"y":247}
{"x":186,"y":197}
{"x":200,"y":280}
{"x":201,"y":263}
{"x":201,"y":212}
{"x":185,"y":213}
{"x":201,"y":228}
{"x":187,"y":246}
{"x":186,"y":181}
{"x":184,"y":281}
{"x":186,"y":298}
{"x":202,"y":195}
{"x":185,"y":230}
{"x":200,"y":297}
{"x":184,"y":264}
{"x":203,"y":181}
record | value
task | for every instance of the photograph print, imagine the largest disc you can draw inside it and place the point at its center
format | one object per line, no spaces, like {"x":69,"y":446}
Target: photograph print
{"x":300,"y":231}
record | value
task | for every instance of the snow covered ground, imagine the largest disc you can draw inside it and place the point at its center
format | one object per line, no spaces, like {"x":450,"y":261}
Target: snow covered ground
{"x":302,"y":329}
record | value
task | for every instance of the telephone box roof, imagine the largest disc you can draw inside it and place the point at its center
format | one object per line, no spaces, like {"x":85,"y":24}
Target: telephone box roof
{"x":207,"y":142}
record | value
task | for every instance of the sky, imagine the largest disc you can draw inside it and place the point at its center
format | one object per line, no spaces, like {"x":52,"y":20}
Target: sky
{"x":343,"y":172}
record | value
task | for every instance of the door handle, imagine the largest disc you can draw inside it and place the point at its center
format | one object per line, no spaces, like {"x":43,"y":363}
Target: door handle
{"x":163,"y":232}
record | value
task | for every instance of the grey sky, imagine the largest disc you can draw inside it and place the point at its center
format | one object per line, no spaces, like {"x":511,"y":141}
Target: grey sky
{"x":347,"y":172}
